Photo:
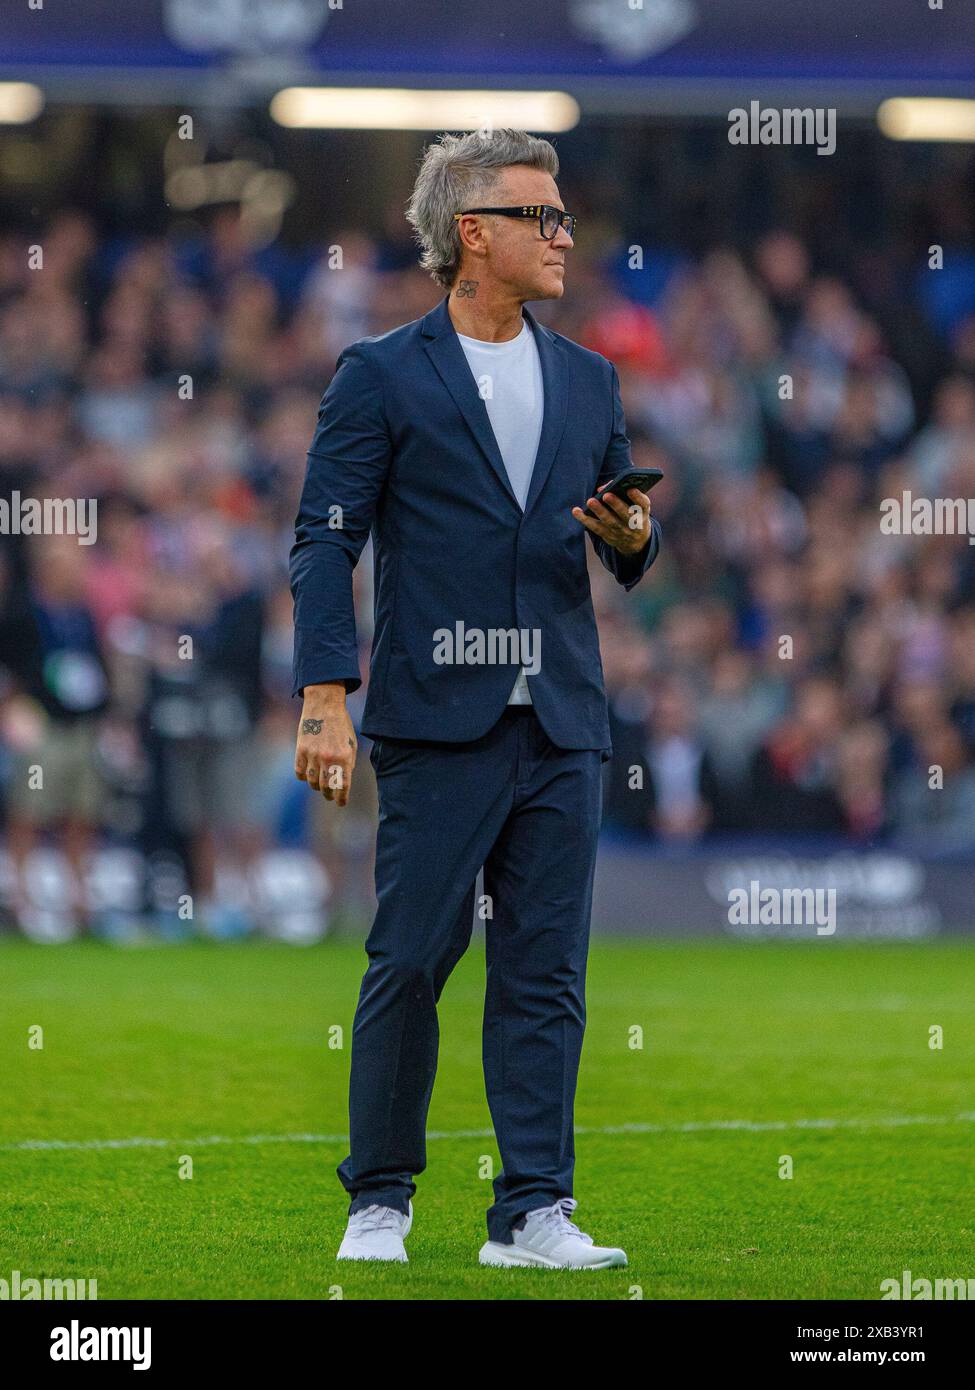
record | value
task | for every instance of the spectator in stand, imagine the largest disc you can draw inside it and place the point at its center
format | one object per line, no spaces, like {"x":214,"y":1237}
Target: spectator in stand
{"x":862,"y":780}
{"x":661,"y":779}
{"x":204,"y":699}
{"x":795,"y":772}
{"x":740,"y":707}
{"x":935,"y":798}
{"x":55,"y":657}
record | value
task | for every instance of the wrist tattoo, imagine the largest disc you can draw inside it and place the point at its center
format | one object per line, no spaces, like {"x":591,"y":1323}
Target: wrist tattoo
{"x":311,"y":726}
{"x":467,"y":289}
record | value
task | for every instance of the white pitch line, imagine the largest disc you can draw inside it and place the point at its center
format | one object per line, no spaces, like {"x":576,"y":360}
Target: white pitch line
{"x":691,"y":1127}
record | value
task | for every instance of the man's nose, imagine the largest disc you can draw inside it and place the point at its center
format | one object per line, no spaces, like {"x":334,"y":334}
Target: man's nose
{"x":562,"y":239}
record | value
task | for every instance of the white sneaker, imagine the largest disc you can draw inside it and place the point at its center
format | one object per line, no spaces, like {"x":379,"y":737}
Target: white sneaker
{"x":376,"y":1233}
{"x":550,"y":1239}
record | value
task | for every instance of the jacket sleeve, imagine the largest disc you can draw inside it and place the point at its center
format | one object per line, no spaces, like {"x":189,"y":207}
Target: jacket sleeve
{"x":347,"y":467}
{"x":627,"y":570}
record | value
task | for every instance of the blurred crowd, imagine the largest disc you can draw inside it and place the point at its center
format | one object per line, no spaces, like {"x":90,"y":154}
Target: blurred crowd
{"x":786,"y":668}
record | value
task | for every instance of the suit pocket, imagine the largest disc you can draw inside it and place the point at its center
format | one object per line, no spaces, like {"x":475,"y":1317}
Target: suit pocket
{"x":390,"y":756}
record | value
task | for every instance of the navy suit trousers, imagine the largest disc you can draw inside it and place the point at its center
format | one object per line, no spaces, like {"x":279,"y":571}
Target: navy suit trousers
{"x":529,"y":813}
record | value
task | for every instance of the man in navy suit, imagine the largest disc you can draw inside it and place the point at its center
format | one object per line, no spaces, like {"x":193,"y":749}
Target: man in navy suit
{"x":471,"y":444}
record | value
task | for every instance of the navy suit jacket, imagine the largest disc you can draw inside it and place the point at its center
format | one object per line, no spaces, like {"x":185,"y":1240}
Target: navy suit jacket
{"x":405,"y":449}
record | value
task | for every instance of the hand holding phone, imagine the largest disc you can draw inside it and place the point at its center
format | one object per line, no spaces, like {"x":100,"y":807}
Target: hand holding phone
{"x":642,"y":478}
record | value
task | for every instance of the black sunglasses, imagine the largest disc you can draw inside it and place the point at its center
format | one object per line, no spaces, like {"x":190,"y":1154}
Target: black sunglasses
{"x":549,"y":219}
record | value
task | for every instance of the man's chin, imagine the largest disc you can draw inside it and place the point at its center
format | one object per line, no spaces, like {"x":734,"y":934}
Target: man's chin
{"x":552,"y":287}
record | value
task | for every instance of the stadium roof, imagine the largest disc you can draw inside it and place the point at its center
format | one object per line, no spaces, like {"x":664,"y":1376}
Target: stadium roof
{"x":615,"y":56}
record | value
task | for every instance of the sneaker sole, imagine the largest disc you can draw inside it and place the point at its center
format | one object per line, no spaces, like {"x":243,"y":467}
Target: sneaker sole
{"x":514,"y":1257}
{"x":375,"y":1259}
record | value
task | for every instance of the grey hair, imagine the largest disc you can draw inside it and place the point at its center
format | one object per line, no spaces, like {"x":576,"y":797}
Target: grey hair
{"x":457,"y":172}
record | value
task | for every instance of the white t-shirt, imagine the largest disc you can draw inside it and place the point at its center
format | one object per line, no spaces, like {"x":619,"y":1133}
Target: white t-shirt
{"x":509,"y":381}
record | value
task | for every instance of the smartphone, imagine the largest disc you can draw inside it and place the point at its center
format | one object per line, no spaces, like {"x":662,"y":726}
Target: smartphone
{"x":642,"y":478}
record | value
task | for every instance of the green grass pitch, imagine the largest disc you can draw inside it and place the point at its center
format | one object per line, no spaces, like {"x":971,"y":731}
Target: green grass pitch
{"x":228,"y":1042}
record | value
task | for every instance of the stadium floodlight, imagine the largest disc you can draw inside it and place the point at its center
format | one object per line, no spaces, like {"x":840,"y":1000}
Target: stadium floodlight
{"x":927,"y":118}
{"x":403,"y":108}
{"x":20,"y":102}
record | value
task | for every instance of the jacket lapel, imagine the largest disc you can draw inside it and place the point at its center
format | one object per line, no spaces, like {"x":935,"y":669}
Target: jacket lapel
{"x":448,"y":357}
{"x":555,"y":379}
